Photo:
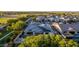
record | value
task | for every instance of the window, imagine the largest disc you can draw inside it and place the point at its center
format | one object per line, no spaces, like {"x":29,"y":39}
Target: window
{"x":72,"y":32}
{"x":29,"y":33}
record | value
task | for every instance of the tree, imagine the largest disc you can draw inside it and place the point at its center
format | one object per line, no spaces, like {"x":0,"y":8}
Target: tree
{"x":9,"y":28}
{"x":46,"y":40}
{"x":18,"y":25}
{"x":35,"y":41}
{"x":72,"y":43}
{"x":10,"y":21}
{"x":62,"y":43}
{"x":22,"y":18}
{"x":0,"y":34}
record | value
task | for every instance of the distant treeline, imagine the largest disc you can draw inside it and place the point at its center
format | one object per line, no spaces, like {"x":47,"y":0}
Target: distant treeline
{"x":30,"y":12}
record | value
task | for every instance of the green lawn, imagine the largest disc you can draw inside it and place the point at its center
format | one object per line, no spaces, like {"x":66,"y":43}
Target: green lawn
{"x":6,"y":37}
{"x":3,"y":33}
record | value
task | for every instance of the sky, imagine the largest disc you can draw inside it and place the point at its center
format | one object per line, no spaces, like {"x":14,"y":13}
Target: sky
{"x":39,"y":5}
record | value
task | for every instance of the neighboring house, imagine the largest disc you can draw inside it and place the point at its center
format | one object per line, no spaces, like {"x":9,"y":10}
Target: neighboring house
{"x":74,"y":26}
{"x":29,"y":20}
{"x":50,"y":18}
{"x":40,"y":18}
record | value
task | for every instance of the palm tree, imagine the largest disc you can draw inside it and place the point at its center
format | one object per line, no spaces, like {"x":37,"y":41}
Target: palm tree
{"x":56,"y":26}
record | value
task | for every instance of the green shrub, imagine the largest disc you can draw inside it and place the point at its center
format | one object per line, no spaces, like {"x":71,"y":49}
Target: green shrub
{"x":47,"y":40}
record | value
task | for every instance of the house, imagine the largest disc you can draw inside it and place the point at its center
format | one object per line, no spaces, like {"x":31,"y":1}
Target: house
{"x":38,"y":28}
